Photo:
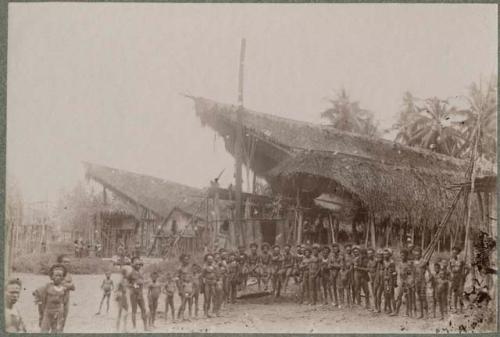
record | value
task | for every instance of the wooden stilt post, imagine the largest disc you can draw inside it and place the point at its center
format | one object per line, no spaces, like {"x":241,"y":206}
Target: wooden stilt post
{"x":372,"y":229}
{"x":299,"y":224}
{"x":482,"y":222}
{"x":487,"y":212}
{"x":217,"y":219}
{"x":330,"y":220}
{"x":367,"y":229}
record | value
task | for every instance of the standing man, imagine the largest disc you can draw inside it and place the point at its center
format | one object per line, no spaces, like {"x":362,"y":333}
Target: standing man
{"x":304,"y":272}
{"x":349,"y":266}
{"x":68,"y":285}
{"x":421,"y":269}
{"x":325,"y":274}
{"x":390,"y":278}
{"x":371,"y":266}
{"x":456,"y":267}
{"x":357,"y":275}
{"x":276,"y":270}
{"x":209,"y":277}
{"x":136,"y":285}
{"x":378,"y":283}
{"x":314,"y":273}
{"x":182,"y":270}
{"x":405,"y":288}
{"x":265,"y":264}
{"x":336,"y":262}
{"x":242,"y":259}
{"x":288,"y":263}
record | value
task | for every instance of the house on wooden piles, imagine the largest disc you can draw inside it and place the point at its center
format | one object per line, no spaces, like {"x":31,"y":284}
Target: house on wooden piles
{"x":163,"y":217}
{"x":339,"y":186}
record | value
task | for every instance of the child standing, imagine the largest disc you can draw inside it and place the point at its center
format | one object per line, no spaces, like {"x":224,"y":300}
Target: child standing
{"x":121,"y":299}
{"x":107,"y":286}
{"x":433,"y":281}
{"x":169,"y":289}
{"x":442,"y":293}
{"x":154,"y":291}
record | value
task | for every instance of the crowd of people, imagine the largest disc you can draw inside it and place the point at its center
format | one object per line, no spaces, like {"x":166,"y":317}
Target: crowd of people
{"x":330,"y":274}
{"x":85,"y":248}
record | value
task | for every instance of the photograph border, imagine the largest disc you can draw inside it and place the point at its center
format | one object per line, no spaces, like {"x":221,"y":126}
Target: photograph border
{"x":3,"y":130}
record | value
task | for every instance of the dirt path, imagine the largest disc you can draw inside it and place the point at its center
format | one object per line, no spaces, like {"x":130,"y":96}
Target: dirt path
{"x":255,"y":315}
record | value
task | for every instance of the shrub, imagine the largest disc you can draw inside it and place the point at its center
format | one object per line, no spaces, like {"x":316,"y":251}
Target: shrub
{"x":40,"y":264}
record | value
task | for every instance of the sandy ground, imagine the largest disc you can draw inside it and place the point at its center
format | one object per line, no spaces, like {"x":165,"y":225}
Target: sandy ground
{"x":250,"y":315}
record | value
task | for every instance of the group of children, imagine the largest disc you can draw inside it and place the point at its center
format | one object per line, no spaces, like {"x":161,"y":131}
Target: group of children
{"x":185,"y":282}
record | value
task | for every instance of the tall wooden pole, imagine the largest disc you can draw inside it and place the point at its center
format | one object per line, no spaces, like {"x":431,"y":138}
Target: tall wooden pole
{"x":472,"y":178}
{"x":217,"y":217}
{"x":239,"y":150}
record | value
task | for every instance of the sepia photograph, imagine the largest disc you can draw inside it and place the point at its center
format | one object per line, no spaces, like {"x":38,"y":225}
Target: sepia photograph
{"x":250,"y":168}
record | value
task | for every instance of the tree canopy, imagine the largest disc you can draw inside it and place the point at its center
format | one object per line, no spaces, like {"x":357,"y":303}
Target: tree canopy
{"x":438,"y":125}
{"x":347,"y":115}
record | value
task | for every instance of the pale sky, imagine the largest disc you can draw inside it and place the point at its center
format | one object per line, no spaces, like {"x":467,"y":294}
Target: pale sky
{"x":100,"y":82}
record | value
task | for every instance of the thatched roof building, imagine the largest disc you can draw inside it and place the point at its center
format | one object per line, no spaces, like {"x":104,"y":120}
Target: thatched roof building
{"x":151,"y":212}
{"x":159,"y":196}
{"x":386,"y":178}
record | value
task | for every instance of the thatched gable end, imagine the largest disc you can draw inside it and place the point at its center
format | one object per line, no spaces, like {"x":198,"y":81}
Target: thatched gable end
{"x":290,"y":136}
{"x":155,"y":194}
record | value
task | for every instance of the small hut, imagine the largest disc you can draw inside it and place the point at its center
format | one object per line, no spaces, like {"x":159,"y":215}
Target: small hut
{"x":152,"y":212}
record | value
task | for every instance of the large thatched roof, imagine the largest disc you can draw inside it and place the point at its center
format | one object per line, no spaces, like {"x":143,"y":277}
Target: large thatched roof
{"x":157,"y":195}
{"x":386,"y":177}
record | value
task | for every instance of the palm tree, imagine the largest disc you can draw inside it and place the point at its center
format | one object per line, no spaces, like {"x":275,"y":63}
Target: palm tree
{"x":408,"y":112}
{"x":483,"y":105}
{"x":428,"y":125}
{"x":347,"y":115}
